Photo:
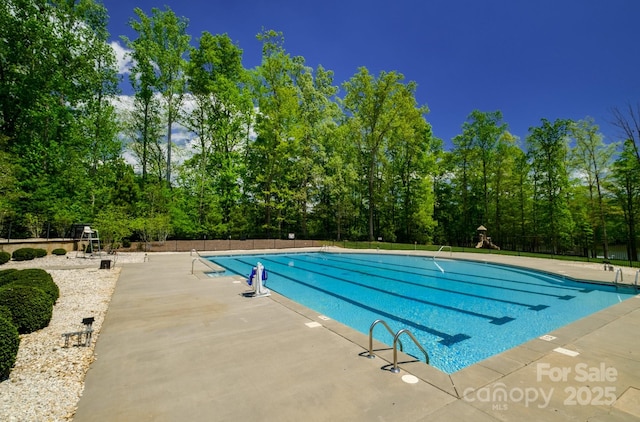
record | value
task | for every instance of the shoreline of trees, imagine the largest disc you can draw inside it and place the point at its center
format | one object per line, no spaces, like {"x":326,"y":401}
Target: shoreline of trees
{"x":277,"y":150}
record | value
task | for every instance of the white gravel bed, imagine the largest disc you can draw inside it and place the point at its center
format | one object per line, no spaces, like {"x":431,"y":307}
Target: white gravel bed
{"x":47,"y":379}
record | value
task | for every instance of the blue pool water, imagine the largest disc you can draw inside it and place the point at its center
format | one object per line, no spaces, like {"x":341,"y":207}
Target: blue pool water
{"x":460,"y":311}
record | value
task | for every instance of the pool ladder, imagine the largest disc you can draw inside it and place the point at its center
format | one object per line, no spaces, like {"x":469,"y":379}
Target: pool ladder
{"x":618,"y":280}
{"x":621,"y":280}
{"x":396,"y":342}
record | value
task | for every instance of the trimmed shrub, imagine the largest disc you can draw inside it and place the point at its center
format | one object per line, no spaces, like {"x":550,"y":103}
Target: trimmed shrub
{"x":59,"y":252}
{"x":39,"y":252}
{"x":9,"y":344}
{"x":30,"y":307}
{"x":5,"y":276}
{"x":35,"y":277}
{"x":5,"y":312}
{"x":24,"y":254}
{"x":4,"y":257}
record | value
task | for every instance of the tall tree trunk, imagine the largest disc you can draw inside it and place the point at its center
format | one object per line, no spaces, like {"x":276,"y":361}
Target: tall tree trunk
{"x":169,"y":124}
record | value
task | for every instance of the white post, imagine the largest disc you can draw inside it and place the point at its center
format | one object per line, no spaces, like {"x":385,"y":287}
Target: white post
{"x":260,"y":289}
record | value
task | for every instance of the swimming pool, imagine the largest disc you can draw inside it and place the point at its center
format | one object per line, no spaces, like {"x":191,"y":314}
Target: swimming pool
{"x":460,"y":311}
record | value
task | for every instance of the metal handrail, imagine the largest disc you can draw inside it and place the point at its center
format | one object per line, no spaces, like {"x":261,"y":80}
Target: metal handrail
{"x":193,"y":262}
{"x":205,"y":262}
{"x":635,"y":283}
{"x":440,"y":250}
{"x":395,"y":368}
{"x":615,"y":280}
{"x":376,"y":322}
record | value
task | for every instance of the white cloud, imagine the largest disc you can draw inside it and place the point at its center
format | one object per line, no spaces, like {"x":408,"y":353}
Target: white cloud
{"x":123,"y":57}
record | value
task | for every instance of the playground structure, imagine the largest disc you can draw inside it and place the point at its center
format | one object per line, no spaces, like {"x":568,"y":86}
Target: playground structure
{"x":484,"y":241}
{"x":257,"y":282}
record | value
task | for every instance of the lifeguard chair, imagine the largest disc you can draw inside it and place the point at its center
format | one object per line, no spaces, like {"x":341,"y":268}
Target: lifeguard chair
{"x":89,"y":243}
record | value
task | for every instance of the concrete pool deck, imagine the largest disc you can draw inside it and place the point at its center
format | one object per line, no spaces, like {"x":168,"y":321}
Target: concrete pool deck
{"x":179,"y":346}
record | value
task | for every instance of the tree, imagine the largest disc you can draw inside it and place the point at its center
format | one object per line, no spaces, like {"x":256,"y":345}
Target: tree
{"x":143,"y":126}
{"x":474,"y":154}
{"x":57,"y":80}
{"x":547,"y":147}
{"x":160,"y":53}
{"x":625,"y":187}
{"x":629,"y":124}
{"x":506,"y":179}
{"x":144,"y":122}
{"x":271,"y":155}
{"x":412,"y":153}
{"x":485,"y":130}
{"x":220,"y":118}
{"x":461,"y":162}
{"x":336,"y":205}
{"x":591,"y":157}
{"x":376,"y":108}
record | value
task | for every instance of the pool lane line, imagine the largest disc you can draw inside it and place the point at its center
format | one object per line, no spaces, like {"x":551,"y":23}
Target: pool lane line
{"x":563,"y":297}
{"x":538,"y":307}
{"x":447,"y":339}
{"x":543,"y":277}
{"x":492,"y":319}
{"x":234,"y":271}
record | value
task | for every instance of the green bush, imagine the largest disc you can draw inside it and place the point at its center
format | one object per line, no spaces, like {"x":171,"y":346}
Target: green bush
{"x":5,"y":275}
{"x":4,"y":257}
{"x":39,"y":252}
{"x":31,"y":308}
{"x":59,"y":252}
{"x":24,"y":254}
{"x":35,"y":277}
{"x":9,"y":343}
{"x":5,"y":312}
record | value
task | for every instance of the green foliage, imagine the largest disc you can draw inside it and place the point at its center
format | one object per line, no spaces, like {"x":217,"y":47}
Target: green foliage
{"x":155,"y":228}
{"x":4,"y":257}
{"x":59,"y":252}
{"x":159,"y":51}
{"x":5,"y":276}
{"x":548,"y":150}
{"x":113,"y":225}
{"x":223,"y":111}
{"x":9,"y":344}
{"x":276,"y":149}
{"x":625,"y":188}
{"x":24,"y":254}
{"x":591,"y":158}
{"x":5,"y":312}
{"x":55,"y":109}
{"x":39,"y":252}
{"x":37,"y":278}
{"x":27,"y":254}
{"x":31,"y":308}
{"x":392,"y":137}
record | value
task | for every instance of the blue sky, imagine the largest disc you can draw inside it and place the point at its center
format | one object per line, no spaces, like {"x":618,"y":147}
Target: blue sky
{"x":529,"y":59}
